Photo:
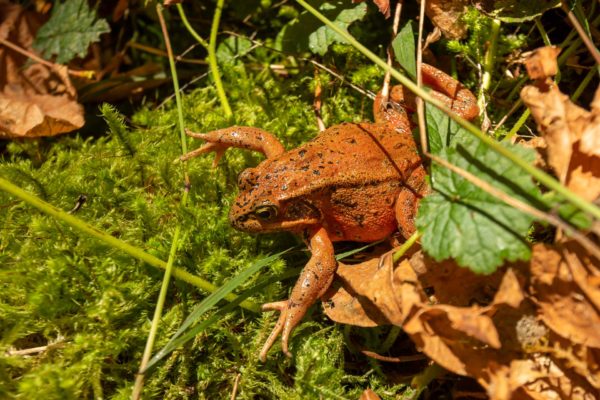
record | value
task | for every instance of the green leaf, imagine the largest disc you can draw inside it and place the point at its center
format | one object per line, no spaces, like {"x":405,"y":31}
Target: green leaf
{"x":181,"y":336}
{"x":308,"y":33}
{"x":69,"y":31}
{"x":404,"y":50}
{"x":233,"y":48}
{"x":460,"y":220}
{"x":441,"y":130}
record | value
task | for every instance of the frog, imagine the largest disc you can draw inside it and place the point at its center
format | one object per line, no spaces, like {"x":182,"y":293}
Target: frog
{"x":358,"y":182}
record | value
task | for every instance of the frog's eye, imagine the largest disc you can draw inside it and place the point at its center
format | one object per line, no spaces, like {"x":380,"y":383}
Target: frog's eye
{"x":266,"y":213}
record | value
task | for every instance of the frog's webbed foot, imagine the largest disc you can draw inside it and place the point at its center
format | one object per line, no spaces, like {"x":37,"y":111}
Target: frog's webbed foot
{"x":312,"y":284}
{"x":243,"y":137}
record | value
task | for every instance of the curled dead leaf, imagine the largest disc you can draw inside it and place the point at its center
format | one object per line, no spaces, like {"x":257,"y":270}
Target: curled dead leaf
{"x":35,"y":100}
{"x":541,"y":63}
{"x":498,"y":329}
{"x":571,"y":134}
{"x":446,"y":14}
{"x":567,"y":295}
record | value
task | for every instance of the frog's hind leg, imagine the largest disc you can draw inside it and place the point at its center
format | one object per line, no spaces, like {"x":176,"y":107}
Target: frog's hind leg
{"x":313,"y":282}
{"x":407,"y":202}
{"x":242,"y":137}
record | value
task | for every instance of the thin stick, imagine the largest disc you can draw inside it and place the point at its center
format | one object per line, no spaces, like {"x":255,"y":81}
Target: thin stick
{"x":385,"y":90}
{"x":419,"y":100}
{"x":519,"y":205}
{"x":582,"y":34}
{"x":236,"y":382}
{"x":162,"y":53}
{"x":51,"y":65}
{"x":537,"y":173}
{"x":394,"y":359}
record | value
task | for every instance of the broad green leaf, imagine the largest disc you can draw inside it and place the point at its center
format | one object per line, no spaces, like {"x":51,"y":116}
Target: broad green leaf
{"x":515,"y":11}
{"x":441,"y":130}
{"x":308,"y":33}
{"x":404,"y":50}
{"x":460,"y":220}
{"x":181,"y":336}
{"x":69,"y":31}
{"x":232,"y":48}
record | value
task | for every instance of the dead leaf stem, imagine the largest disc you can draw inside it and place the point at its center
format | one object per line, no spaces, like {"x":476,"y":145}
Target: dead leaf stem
{"x":36,"y":58}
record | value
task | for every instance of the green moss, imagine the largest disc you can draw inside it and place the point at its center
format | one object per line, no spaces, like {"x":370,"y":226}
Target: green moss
{"x":92,"y":304}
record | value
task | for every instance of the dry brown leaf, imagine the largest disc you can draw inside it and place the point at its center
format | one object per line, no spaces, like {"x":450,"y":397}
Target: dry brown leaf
{"x":567,"y":296}
{"x":572,"y":136}
{"x":500,"y":342}
{"x":446,"y":14}
{"x":541,"y":63}
{"x":35,"y":100}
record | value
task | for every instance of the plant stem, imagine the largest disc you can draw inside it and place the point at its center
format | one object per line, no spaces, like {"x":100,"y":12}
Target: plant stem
{"x":405,"y":246}
{"x":188,"y":26}
{"x":162,"y":295}
{"x":488,"y":64}
{"x":540,"y":175}
{"x":114,"y":242}
{"x":212,"y":58}
{"x":517,"y":125}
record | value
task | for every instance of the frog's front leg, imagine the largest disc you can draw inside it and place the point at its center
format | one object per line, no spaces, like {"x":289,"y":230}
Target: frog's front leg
{"x":313,"y":282}
{"x":243,"y":137}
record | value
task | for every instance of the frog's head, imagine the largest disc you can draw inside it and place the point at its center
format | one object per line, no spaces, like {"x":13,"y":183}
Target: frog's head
{"x":265,"y":204}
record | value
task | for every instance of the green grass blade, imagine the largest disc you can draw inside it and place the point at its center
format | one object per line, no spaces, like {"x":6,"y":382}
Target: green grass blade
{"x":206,"y":304}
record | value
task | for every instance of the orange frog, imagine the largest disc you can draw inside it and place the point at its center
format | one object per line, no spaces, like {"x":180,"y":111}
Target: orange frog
{"x":354,"y":182}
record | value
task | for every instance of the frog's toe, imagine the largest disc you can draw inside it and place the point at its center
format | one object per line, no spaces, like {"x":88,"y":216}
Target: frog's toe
{"x":275,"y":332}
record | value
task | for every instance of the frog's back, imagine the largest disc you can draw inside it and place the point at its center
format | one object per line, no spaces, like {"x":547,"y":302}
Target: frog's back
{"x":351,"y":155}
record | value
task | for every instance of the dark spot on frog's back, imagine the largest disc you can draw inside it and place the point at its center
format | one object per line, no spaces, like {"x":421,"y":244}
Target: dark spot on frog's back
{"x":316,"y":172}
{"x":302,"y":152}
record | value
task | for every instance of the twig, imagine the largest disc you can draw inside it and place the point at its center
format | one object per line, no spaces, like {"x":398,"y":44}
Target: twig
{"x":51,"y":65}
{"x":385,"y":89}
{"x":163,"y":53}
{"x":419,"y":100}
{"x":584,"y":37}
{"x":394,"y":359}
{"x":519,"y":205}
{"x":236,"y":382}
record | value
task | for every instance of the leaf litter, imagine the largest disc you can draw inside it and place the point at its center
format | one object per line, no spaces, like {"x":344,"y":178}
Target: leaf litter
{"x":35,"y":99}
{"x":529,"y":330}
